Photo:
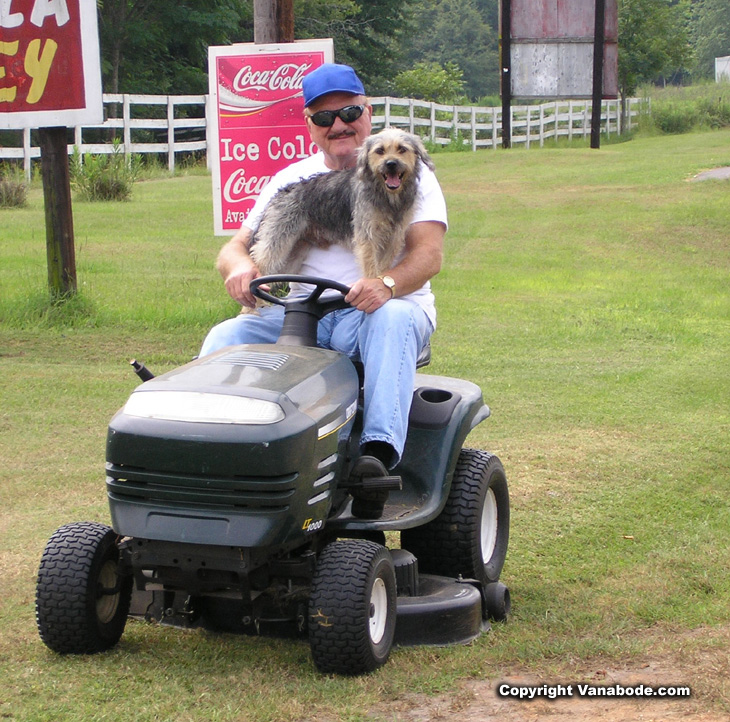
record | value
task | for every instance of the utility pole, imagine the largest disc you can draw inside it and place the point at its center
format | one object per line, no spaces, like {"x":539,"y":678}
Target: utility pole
{"x":506,"y":75}
{"x":273,"y":21}
{"x":598,"y":41}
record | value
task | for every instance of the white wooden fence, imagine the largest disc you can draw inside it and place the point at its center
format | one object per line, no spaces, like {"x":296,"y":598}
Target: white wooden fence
{"x":166,"y":133}
{"x":482,"y":127}
{"x":135,"y":134}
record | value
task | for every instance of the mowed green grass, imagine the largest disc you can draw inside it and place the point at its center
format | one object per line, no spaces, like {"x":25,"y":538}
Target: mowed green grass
{"x":586,"y":292}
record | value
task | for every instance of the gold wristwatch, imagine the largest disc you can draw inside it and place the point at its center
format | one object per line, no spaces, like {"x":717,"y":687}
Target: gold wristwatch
{"x":389,"y":283}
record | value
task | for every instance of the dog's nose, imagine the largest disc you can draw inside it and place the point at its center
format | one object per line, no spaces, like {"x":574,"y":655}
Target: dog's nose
{"x":391,"y":166}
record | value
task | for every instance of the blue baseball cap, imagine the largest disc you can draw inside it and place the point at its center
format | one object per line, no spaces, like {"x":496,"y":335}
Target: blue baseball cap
{"x":330,"y":78}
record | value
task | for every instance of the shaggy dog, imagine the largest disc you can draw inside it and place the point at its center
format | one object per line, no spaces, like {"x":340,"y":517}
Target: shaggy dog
{"x":367,"y":208}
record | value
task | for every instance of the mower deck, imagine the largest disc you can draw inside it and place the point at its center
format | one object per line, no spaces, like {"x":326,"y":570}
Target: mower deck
{"x":445,"y":611}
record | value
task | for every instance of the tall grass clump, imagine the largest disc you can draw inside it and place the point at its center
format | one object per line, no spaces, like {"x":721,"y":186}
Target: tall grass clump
{"x":43,"y":310}
{"x":715,"y":112}
{"x":674,"y":118}
{"x":683,"y":109}
{"x":13,"y":189}
{"x":458,"y":143}
{"x":104,"y":177}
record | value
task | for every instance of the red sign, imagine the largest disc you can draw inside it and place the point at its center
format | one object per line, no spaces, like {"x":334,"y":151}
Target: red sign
{"x":258,"y":122}
{"x":49,"y":63}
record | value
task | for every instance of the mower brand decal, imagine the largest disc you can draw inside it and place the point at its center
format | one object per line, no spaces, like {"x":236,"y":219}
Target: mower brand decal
{"x":338,"y":423}
{"x":310,"y":525}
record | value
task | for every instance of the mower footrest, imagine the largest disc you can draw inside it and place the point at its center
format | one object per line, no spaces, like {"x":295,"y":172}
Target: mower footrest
{"x":381,"y":483}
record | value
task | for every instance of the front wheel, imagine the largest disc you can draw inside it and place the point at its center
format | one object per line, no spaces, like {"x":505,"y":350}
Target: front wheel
{"x":352,"y":607}
{"x":82,"y":601}
{"x":471,"y":534}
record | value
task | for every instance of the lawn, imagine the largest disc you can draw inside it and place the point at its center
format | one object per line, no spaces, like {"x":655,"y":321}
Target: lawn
{"x":585,"y":291}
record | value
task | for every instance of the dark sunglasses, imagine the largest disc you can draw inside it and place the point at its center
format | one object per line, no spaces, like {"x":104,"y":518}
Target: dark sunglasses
{"x":348,"y":114}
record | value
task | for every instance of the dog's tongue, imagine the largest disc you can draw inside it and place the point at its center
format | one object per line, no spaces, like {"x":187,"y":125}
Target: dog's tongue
{"x":392,"y":180}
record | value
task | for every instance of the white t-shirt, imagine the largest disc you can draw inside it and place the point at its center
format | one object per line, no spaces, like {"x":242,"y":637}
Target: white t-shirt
{"x":337,"y":262}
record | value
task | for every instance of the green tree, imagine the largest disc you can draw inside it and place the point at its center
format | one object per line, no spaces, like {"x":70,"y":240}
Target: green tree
{"x":459,"y":32}
{"x":370,"y":36}
{"x":430,"y":81}
{"x":161,"y":46}
{"x":711,"y":34}
{"x":653,"y":41}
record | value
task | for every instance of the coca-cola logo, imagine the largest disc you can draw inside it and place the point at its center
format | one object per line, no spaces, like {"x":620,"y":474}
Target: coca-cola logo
{"x":240,"y":188}
{"x":285,"y":78}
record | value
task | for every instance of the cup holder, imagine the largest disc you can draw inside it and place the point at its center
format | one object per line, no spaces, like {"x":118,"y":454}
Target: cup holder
{"x":435,"y":396}
{"x":432,"y":408}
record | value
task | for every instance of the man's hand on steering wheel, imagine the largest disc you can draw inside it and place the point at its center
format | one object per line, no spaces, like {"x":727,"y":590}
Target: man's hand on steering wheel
{"x":238,"y":283}
{"x":368,"y":294}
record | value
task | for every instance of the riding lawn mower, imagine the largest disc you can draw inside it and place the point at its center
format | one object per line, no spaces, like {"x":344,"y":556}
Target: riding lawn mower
{"x":230,"y":490}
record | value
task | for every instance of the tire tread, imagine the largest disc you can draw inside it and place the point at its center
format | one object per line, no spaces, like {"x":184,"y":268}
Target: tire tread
{"x":449,"y":545}
{"x":62,"y":591}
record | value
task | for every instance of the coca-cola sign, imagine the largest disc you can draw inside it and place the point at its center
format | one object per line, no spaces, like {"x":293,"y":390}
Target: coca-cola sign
{"x":259,"y":125}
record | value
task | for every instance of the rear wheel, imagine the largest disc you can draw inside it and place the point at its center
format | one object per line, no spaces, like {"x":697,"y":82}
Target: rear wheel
{"x":471,"y":535}
{"x":352,"y":607}
{"x":82,"y":602}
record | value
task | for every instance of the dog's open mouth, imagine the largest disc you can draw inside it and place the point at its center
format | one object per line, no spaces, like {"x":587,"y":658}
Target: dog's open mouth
{"x":393,"y":180}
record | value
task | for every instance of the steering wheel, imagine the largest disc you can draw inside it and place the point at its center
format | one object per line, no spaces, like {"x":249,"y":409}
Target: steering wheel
{"x":314,"y":298}
{"x":302,"y":313}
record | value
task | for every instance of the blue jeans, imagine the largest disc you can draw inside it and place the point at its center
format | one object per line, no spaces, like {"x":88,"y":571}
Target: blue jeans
{"x":387,"y":341}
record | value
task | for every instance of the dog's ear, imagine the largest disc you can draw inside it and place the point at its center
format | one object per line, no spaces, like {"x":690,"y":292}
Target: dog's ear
{"x":362,"y":165}
{"x":422,"y":153}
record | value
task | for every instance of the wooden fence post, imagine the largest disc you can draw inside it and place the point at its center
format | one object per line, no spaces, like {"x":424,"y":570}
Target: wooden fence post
{"x":59,"y":216}
{"x":170,"y":134}
{"x":208,"y":144}
{"x":127,"y":130}
{"x":473,"y":128}
{"x":26,"y":154}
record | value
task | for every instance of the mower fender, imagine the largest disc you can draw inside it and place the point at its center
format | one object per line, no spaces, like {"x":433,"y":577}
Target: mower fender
{"x":443,"y":412}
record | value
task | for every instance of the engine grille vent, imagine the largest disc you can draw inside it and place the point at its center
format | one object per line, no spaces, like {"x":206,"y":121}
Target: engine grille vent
{"x":265,"y":494}
{"x":270,"y":361}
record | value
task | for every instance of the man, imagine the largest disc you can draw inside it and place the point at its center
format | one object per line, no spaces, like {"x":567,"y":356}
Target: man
{"x":392,"y":317}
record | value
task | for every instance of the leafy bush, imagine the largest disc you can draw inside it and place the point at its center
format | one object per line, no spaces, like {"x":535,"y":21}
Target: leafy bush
{"x":715,"y":112}
{"x":457,"y":144}
{"x":674,"y":118}
{"x":431,"y":81}
{"x":104,"y":177}
{"x":682,"y":109}
{"x":13,"y":189}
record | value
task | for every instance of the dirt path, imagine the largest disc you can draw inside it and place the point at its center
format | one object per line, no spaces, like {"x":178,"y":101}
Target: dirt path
{"x":704,"y":668}
{"x":713,"y":174}
{"x":478,"y":701}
